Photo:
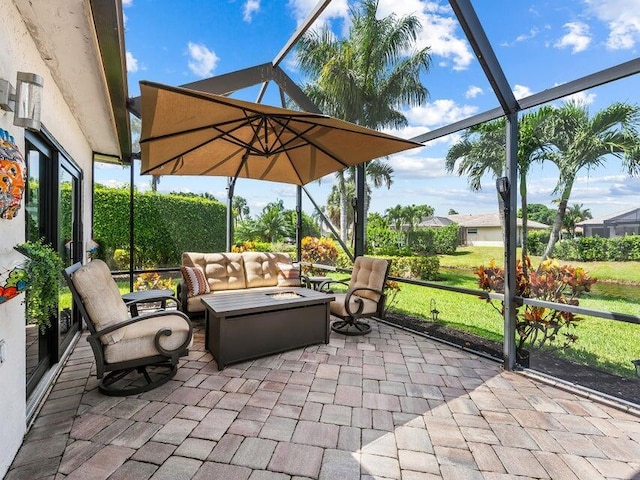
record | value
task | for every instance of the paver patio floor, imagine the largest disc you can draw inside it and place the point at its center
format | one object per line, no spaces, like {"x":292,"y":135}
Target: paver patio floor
{"x":389,"y":405}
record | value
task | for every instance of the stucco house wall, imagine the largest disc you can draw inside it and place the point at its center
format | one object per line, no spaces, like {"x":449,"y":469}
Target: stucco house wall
{"x":19,"y":53}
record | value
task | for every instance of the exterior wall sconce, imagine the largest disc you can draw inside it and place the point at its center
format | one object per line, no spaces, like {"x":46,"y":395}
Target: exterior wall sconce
{"x":24,"y":100}
{"x":502,"y":185}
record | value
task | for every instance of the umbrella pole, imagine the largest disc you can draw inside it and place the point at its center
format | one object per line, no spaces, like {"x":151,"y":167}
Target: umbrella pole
{"x":231,"y":183}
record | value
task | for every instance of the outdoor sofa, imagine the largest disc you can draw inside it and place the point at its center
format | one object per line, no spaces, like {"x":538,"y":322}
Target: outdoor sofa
{"x":207,"y":273}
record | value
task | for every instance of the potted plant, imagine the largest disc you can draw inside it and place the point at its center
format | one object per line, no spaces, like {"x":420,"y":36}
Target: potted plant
{"x":538,"y":327}
{"x":43,"y":268}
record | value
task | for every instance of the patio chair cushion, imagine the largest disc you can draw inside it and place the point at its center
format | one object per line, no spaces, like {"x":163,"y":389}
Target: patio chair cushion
{"x":288,"y":274}
{"x":196,"y":281}
{"x":102,"y":299}
{"x":138,"y":339}
{"x":338,"y":305}
{"x":368,"y":273}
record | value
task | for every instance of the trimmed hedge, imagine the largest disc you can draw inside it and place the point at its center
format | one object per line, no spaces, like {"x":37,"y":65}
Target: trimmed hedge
{"x":416,"y":267}
{"x":591,"y":249}
{"x":165,"y":225}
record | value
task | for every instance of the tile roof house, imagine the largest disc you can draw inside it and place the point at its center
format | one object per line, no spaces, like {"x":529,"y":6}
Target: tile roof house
{"x":486,"y":229}
{"x":618,"y":224}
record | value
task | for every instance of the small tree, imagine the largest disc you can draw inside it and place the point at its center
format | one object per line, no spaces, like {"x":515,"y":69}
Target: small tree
{"x":540,"y":326}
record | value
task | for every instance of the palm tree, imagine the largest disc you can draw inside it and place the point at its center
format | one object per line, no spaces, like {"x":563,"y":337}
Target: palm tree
{"x":482,"y":150}
{"x":574,"y":215}
{"x":580,"y":141}
{"x":366,"y":77}
{"x":240,"y":209}
{"x":394,"y":216}
{"x":273,"y":224}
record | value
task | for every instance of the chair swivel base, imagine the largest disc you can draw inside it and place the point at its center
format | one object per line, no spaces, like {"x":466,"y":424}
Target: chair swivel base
{"x":121,"y":383}
{"x":351,"y":327}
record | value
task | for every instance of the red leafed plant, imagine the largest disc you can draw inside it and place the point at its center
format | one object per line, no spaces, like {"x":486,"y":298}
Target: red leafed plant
{"x":539,"y":326}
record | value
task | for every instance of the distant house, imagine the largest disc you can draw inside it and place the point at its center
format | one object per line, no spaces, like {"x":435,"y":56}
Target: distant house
{"x":486,"y":230}
{"x":434,"y":222}
{"x":617,"y":224}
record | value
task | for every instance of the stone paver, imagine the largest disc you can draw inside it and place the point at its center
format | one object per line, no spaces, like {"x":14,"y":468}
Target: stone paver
{"x":388,"y":405}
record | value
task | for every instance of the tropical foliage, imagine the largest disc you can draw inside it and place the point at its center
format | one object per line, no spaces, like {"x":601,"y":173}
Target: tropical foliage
{"x":43,"y":270}
{"x":537,"y":327}
{"x":165,"y":225}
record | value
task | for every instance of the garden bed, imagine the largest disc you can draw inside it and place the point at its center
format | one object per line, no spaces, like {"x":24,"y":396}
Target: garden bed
{"x":621,"y":387}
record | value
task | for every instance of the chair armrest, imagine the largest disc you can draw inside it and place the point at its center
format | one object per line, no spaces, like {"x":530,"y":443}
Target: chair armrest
{"x":140,"y":318}
{"x":358,"y":300}
{"x":164,"y":331}
{"x":324,"y":286}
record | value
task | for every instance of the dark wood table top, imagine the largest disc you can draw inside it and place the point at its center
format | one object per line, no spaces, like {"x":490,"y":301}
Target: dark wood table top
{"x":263,"y":300}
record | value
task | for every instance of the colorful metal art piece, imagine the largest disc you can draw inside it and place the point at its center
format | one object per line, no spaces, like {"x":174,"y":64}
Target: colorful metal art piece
{"x":16,"y":282}
{"x":13,"y":176}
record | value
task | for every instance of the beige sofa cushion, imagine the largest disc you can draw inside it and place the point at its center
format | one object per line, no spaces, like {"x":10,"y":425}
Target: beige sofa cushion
{"x":138,"y":339}
{"x":102,"y":298}
{"x":261,"y":268}
{"x":224,"y":271}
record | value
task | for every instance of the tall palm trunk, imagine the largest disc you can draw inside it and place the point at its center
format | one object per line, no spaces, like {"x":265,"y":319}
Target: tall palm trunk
{"x":525,"y":227}
{"x":559,"y":220}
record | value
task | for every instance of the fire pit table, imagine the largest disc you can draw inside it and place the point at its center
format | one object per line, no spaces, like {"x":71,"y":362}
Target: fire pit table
{"x":250,"y":324}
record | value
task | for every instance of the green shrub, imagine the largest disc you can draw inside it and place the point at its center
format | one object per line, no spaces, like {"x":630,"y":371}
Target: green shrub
{"x":591,"y":249}
{"x":318,"y":250}
{"x":418,"y":267}
{"x":537,"y":241}
{"x":624,"y":249}
{"x":446,"y":239}
{"x":240,"y":247}
{"x":565,"y":250}
{"x":165,"y":225}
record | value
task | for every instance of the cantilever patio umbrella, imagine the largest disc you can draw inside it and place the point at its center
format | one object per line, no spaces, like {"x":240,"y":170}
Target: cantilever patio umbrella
{"x":186,"y":132}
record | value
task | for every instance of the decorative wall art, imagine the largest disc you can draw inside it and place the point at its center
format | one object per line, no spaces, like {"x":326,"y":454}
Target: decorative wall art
{"x":14,"y":281}
{"x":13,"y":176}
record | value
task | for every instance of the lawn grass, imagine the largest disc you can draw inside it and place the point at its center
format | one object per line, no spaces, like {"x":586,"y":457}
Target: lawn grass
{"x":472,"y":257}
{"x":602,"y":343}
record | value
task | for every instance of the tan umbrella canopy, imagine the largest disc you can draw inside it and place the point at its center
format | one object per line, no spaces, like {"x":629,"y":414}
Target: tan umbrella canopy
{"x":186,"y":132}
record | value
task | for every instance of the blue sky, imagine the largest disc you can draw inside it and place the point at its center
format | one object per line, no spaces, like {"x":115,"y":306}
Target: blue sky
{"x":540,"y":44}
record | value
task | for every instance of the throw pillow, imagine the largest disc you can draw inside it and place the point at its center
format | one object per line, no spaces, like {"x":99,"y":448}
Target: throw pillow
{"x":196,"y":281}
{"x":288,"y":275}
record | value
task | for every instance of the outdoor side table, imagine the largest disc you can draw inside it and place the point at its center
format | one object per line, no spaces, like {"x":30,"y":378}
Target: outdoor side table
{"x":148,"y":296}
{"x":315,"y":282}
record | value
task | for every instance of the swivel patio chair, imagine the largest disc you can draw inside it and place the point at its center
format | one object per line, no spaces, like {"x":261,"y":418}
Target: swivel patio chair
{"x":364,"y":298}
{"x":133,"y":354}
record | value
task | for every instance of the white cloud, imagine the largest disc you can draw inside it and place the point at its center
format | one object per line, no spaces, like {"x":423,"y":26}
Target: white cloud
{"x":132,"y":62}
{"x":127,"y":3}
{"x":406,"y":166}
{"x":526,"y":36}
{"x":623,"y":20}
{"x":250,"y":7}
{"x":578,"y":37}
{"x":473,"y":91}
{"x":438,"y":113}
{"x":520,"y":91}
{"x":202,"y":60}
{"x":337,"y":9}
{"x":582,"y":97}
